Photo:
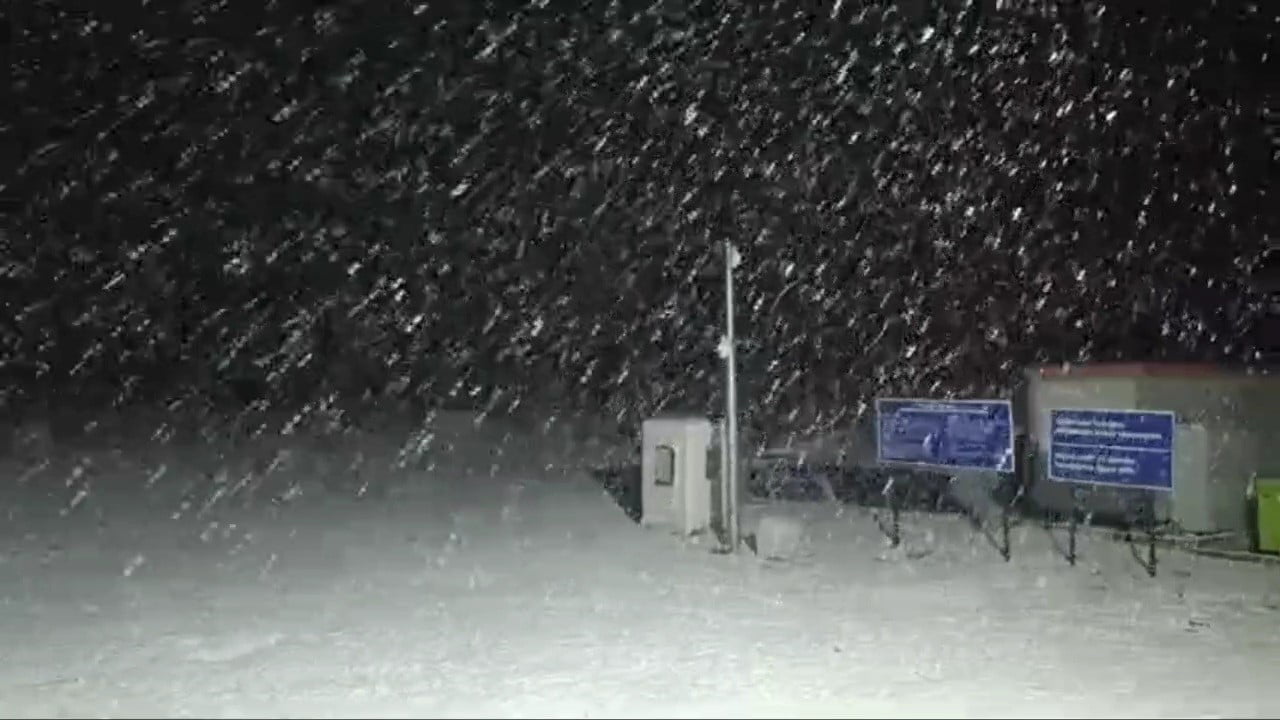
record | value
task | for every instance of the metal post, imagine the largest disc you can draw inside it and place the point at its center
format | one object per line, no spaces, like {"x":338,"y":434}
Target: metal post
{"x":1151,"y":534}
{"x":710,"y":71}
{"x":1073,"y":525}
{"x":1005,"y":548}
{"x":726,"y":504}
{"x":731,"y":399}
{"x":895,"y":513}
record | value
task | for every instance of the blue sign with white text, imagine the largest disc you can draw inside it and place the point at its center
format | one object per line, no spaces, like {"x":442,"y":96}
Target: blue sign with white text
{"x":1121,"y":448}
{"x":945,"y":434}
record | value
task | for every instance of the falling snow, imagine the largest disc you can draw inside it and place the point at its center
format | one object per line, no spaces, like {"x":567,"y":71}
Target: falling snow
{"x":245,"y":243}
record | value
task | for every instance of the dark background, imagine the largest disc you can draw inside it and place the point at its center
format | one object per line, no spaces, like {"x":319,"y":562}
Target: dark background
{"x":474,"y":203}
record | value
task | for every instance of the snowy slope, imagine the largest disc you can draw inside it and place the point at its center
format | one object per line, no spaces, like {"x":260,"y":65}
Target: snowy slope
{"x":524,"y":591}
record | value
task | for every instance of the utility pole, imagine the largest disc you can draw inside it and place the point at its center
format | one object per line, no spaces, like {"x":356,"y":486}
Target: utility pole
{"x":723,"y":201}
{"x":731,"y":398}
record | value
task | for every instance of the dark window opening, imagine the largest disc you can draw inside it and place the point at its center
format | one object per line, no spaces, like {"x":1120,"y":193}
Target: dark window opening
{"x":664,"y":465}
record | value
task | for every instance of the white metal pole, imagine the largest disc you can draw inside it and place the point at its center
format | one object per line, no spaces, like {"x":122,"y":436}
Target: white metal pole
{"x":722,"y":428}
{"x":731,"y":397}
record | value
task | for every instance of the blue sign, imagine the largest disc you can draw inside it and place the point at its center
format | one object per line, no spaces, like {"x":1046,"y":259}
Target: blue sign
{"x":945,"y":434}
{"x":1120,"y":448}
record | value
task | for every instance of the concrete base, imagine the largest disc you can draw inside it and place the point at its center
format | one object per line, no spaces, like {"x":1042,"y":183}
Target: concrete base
{"x":780,"y":537}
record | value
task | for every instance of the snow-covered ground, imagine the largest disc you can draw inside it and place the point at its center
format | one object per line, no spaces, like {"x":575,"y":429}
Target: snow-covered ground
{"x":513,"y":586}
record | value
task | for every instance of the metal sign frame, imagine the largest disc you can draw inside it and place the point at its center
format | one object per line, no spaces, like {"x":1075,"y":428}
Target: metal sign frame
{"x":1010,"y":450}
{"x":1171,"y":451}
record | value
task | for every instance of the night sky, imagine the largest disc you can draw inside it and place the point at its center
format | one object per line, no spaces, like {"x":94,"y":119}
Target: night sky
{"x":482,"y":202}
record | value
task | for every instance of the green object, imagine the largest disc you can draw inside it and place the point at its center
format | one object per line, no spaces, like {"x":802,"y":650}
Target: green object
{"x":1268,"y":499}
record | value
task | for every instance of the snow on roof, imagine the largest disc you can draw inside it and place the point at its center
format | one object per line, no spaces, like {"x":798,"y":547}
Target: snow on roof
{"x":1135,"y":369}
